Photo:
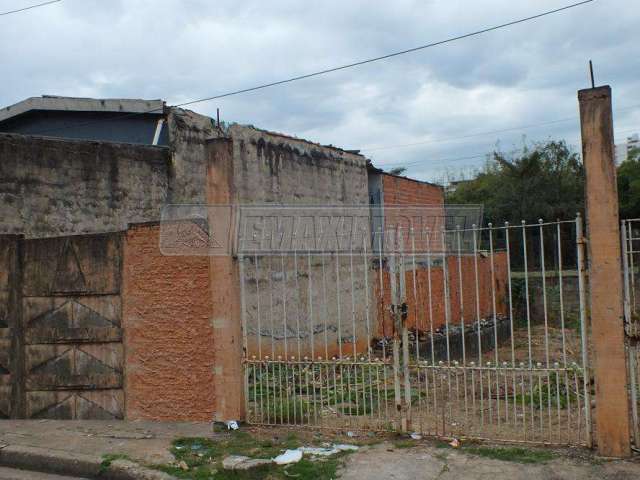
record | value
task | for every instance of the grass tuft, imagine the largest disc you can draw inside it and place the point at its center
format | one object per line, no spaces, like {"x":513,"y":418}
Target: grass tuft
{"x":109,"y":458}
{"x":512,"y":454}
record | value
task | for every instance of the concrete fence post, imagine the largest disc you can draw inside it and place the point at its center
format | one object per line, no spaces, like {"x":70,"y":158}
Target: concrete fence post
{"x":605,"y":273}
{"x":225,"y":286}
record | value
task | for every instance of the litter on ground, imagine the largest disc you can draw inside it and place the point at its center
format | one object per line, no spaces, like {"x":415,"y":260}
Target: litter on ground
{"x":289,"y":456}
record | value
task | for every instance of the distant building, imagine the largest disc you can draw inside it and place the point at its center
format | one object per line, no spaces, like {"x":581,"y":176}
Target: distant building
{"x":622,"y":149}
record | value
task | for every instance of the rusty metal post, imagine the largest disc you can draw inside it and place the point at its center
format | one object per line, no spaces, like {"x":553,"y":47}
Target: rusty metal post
{"x":605,"y":274}
{"x":229,"y":401}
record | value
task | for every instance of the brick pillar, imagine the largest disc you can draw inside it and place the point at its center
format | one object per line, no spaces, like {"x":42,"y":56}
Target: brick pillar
{"x":605,"y":275}
{"x":225,"y":286}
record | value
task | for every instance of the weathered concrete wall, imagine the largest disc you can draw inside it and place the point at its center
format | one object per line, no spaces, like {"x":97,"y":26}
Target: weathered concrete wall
{"x":188,"y":135}
{"x":59,"y":187}
{"x":273,"y":168}
{"x":281,"y":317}
{"x":169,"y":337}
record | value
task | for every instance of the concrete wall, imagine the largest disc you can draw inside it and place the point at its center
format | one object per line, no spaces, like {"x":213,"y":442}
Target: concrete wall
{"x":60,"y":187}
{"x":276,"y":169}
{"x":169,"y":339}
{"x":273,"y":168}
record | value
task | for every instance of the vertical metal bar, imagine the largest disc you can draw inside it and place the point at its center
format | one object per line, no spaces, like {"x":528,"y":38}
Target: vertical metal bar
{"x":562,"y":326}
{"x":312,"y":339}
{"x":338,"y":307}
{"x":447,"y":315}
{"x":272,"y":334}
{"x":243,"y":316}
{"x":325,"y":303}
{"x":405,"y":339}
{"x":583,"y":328}
{"x":625,"y":271}
{"x":284,"y":305}
{"x":353,"y":300}
{"x":510,"y":293}
{"x":546,"y":322}
{"x":297,"y":287}
{"x":633,"y":369}
{"x":478,"y":317}
{"x":415,"y":293}
{"x":495,"y":319}
{"x":462,"y":325}
{"x":365,"y":267}
{"x":528,"y":308}
{"x":429,"y":285}
{"x":633,"y":269}
{"x":561,"y":295}
{"x":258,"y":312}
{"x":461,"y":294}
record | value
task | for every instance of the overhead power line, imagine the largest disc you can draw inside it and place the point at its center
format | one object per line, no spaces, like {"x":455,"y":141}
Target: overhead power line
{"x":482,"y":134}
{"x":384,"y":57}
{"x":342,"y":67}
{"x":44,"y":4}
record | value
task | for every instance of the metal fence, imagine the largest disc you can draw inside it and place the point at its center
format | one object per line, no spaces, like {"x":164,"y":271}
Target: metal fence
{"x":630,"y":236}
{"x":477,"y":332}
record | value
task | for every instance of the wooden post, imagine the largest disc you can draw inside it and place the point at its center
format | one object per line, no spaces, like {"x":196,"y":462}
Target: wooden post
{"x":605,"y":273}
{"x":229,"y":402}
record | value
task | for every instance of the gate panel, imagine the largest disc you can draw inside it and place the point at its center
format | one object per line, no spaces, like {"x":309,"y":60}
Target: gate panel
{"x":471,"y":332}
{"x":630,"y":233}
{"x":72,"y":327}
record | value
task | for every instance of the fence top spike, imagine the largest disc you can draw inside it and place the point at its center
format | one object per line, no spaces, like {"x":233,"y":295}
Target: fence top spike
{"x":523,"y":222}
{"x":540,"y":220}
{"x":506,"y":224}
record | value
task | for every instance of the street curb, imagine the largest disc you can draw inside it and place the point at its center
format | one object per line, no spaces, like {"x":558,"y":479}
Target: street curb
{"x":128,"y":470}
{"x":75,"y":464}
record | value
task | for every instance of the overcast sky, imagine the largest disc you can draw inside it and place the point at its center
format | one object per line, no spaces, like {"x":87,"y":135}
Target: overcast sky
{"x":180,"y":50}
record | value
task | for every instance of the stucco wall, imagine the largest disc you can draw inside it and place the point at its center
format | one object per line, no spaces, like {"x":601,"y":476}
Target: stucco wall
{"x":54,"y":187}
{"x":166,"y":314}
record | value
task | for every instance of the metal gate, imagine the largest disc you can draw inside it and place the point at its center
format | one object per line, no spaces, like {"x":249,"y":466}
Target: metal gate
{"x":630,"y":233}
{"x":461,"y":332}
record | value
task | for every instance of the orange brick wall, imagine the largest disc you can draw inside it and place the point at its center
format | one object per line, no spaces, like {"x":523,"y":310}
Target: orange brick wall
{"x":168,"y":335}
{"x":399,"y":191}
{"x":418,"y":302}
{"x":404,"y":191}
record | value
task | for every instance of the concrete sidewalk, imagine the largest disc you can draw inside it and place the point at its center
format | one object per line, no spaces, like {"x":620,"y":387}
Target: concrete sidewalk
{"x":146,"y":442}
{"x":78,"y":447}
{"x":82,"y":445}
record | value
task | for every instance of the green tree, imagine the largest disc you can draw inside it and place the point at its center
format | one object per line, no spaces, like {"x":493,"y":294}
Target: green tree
{"x":545,"y":180}
{"x":629,"y":185}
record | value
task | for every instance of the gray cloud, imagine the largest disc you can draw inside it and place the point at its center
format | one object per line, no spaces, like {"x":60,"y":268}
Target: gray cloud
{"x":181,"y":50}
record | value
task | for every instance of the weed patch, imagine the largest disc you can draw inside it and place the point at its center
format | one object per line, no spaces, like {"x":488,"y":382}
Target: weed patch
{"x":109,"y":458}
{"x":203,"y":459}
{"x":511,"y":454}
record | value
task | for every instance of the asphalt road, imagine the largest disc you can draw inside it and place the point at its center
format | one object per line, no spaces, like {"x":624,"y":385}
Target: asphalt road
{"x":13,"y":474}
